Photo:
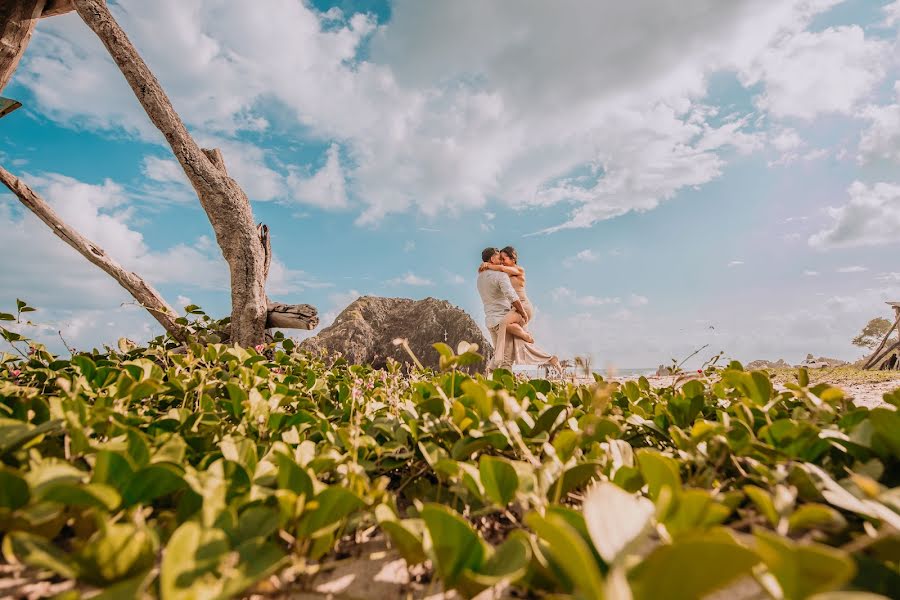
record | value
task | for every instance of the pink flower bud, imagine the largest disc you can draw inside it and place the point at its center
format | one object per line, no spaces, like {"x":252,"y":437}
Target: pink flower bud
{"x":16,"y":372}
{"x":260,"y":347}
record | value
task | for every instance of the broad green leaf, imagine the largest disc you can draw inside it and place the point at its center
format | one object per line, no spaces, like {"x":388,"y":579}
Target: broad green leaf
{"x":37,"y":552}
{"x":693,"y":511}
{"x":499,"y":479}
{"x":14,"y":491}
{"x":573,"y":478}
{"x":256,"y":559}
{"x":190,"y":561}
{"x":116,"y":552}
{"x":886,"y":425}
{"x":95,"y":495}
{"x":658,"y":471}
{"x":14,"y":434}
{"x":292,"y":476}
{"x":153,"y":482}
{"x":509,"y":562}
{"x":615,"y":518}
{"x":803,"y":569}
{"x":570,"y":552}
{"x":454,"y":544}
{"x":334,"y":504}
{"x":690,"y":569}
{"x":406,"y":536}
{"x":764,"y":503}
{"x":816,"y":516}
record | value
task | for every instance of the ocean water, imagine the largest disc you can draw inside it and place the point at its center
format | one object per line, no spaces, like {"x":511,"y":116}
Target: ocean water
{"x":631,"y":372}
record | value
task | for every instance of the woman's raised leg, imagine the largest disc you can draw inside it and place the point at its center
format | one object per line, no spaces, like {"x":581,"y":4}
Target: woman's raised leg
{"x":515,"y":327}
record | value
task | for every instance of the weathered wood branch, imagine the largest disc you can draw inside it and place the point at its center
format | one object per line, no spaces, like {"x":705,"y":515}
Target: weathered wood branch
{"x":142,"y":291}
{"x":17,"y":21}
{"x":53,"y":8}
{"x":222,"y":198}
{"x":877,"y":354}
{"x":292,"y":316}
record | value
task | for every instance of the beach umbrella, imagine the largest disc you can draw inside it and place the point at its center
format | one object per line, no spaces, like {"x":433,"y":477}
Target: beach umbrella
{"x":8,"y":105}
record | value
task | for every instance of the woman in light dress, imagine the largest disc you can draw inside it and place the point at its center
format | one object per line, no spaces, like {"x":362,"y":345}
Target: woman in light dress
{"x":525,"y":350}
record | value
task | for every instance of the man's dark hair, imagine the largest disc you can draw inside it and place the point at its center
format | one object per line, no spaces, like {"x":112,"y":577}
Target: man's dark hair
{"x":487,"y":253}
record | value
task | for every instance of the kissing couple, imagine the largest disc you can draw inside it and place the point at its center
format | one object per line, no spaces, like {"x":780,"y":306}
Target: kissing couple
{"x":507,"y":311}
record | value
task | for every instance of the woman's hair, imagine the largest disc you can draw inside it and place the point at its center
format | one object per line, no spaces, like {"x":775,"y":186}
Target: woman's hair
{"x":511,"y":252}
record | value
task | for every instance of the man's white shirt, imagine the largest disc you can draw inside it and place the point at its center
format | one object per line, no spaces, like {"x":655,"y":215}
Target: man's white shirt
{"x":497,"y":294}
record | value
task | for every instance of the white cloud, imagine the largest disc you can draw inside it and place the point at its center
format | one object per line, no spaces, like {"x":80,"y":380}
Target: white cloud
{"x":564,"y":294}
{"x":735,"y":263}
{"x":585,"y":256}
{"x":853,"y":269}
{"x":638,"y":300}
{"x":892,"y":277}
{"x":810,"y":273}
{"x":427,"y":124}
{"x":870,"y":218}
{"x":326,"y":188}
{"x":411,"y":278}
{"x":792,"y":148}
{"x":786,"y":139}
{"x":456,"y":279}
{"x":881,"y":140}
{"x":809,"y":73}
{"x":892,"y":14}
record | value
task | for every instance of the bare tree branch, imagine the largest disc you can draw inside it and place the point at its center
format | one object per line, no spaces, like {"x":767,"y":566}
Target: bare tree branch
{"x":17,"y":21}
{"x":222,"y":198}
{"x":142,"y":291}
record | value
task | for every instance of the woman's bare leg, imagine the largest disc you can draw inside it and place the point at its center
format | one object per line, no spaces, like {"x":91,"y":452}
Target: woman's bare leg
{"x":514,"y":325}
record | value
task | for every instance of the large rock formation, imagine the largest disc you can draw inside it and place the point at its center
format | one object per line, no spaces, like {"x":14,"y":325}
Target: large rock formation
{"x":365,"y":331}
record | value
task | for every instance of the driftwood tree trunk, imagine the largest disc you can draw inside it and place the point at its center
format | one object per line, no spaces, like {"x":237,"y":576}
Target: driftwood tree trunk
{"x":246,"y":247}
{"x":17,"y":21}
{"x":142,"y":291}
{"x":222,"y":198}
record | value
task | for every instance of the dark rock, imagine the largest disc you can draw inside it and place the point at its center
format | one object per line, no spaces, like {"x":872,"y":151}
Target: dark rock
{"x":365,"y":331}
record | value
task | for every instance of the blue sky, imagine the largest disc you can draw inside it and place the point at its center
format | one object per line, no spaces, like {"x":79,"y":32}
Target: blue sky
{"x":721,"y":173}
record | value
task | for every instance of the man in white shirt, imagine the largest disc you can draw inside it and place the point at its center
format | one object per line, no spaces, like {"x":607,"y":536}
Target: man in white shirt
{"x":498,"y":297}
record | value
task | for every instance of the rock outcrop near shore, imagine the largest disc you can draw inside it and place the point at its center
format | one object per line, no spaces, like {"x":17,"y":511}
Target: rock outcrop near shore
{"x":365,"y":331}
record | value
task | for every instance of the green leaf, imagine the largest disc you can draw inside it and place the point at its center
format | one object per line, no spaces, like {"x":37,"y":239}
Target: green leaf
{"x":292,"y":476}
{"x":405,"y":536}
{"x":509,"y":562}
{"x":96,"y":495}
{"x":615,"y":518}
{"x":454,"y":543}
{"x":659,"y":471}
{"x":116,"y":552}
{"x":14,"y":491}
{"x":690,"y":569}
{"x":256,"y":560}
{"x":190,"y":561}
{"x":816,"y":516}
{"x":803,"y":569}
{"x":39,"y":553}
{"x":548,"y":418}
{"x":574,"y":478}
{"x":499,"y":479}
{"x":886,"y":426}
{"x":468,"y":445}
{"x":570,"y":552}
{"x":334,"y":503}
{"x":152,"y":482}
{"x":14,"y":433}
{"x":764,"y":503}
